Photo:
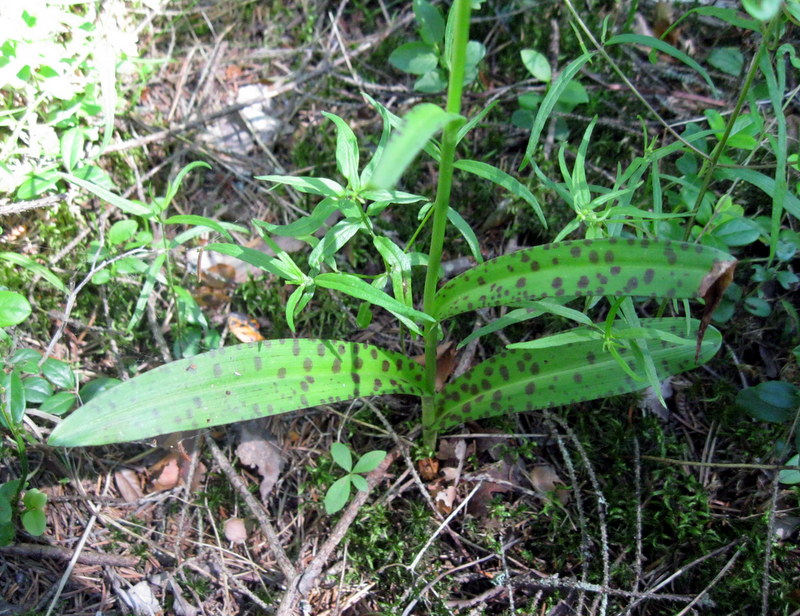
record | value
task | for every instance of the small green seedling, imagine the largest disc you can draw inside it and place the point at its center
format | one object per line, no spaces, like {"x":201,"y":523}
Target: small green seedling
{"x":339,"y":492}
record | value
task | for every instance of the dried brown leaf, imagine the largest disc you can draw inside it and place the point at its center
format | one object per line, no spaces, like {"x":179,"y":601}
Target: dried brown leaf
{"x":127,"y":482}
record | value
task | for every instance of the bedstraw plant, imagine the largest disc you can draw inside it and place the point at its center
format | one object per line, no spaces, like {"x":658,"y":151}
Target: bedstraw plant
{"x":623,"y":353}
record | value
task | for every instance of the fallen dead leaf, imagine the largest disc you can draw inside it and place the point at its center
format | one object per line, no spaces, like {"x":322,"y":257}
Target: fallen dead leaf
{"x":445,"y":363}
{"x":444,"y":499}
{"x":545,"y":480}
{"x":140,"y":600}
{"x":428,"y":468}
{"x":501,"y":471}
{"x":712,"y":287}
{"x":127,"y":482}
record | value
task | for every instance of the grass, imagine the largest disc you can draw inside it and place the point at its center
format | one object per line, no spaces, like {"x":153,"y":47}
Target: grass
{"x":687,"y":512}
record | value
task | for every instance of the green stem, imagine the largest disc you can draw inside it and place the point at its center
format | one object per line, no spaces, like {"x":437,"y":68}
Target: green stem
{"x":710,"y":165}
{"x":457,"y":60}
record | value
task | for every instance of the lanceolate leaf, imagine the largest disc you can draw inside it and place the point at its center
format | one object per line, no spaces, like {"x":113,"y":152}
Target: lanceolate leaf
{"x":236,"y":383}
{"x":614,"y":266}
{"x":524,"y":380}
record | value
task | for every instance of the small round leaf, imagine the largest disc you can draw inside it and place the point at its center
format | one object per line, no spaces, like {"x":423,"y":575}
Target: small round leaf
{"x":14,"y":308}
{"x":537,"y":64}
{"x":58,"y":404}
{"x":34,"y":522}
{"x":34,"y":499}
{"x":58,"y":373}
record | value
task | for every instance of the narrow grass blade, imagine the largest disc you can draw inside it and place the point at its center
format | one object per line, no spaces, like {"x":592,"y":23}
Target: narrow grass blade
{"x":236,"y":383}
{"x":355,"y":287}
{"x":503,"y":179}
{"x":524,"y":380}
{"x":421,"y":123}
{"x":36,"y":268}
{"x":551,"y":98}
{"x":663,"y":47}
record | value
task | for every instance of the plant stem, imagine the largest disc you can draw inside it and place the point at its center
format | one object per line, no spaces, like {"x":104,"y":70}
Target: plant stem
{"x":710,"y":165}
{"x":457,"y":50}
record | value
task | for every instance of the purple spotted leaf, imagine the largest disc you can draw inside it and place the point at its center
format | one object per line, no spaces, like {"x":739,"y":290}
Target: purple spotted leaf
{"x":614,"y":266}
{"x":235,"y":383}
{"x":524,"y":379}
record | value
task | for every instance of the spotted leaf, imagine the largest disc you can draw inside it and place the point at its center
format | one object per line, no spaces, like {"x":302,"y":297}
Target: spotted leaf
{"x":524,"y":380}
{"x":614,"y":266}
{"x":235,"y":383}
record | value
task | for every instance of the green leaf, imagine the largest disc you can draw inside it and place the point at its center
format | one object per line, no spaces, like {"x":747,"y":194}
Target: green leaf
{"x":763,"y":10}
{"x":34,"y":522}
{"x":369,"y":461}
{"x":727,"y":59}
{"x":772,"y":401}
{"x":415,"y":58}
{"x":359,"y":482}
{"x":640,"y":268}
{"x":34,"y":499}
{"x":202,"y":221}
{"x":758,"y":307}
{"x":174,"y":185}
{"x":462,"y":226}
{"x":315,"y":186}
{"x":126,"y":205}
{"x":346,"y":151}
{"x":537,"y":64}
{"x":337,"y":495}
{"x":37,"y":389}
{"x":355,"y":287}
{"x":420,"y":124}
{"x":739,"y":231}
{"x":335,"y":238}
{"x":503,"y":179}
{"x":764,"y":183}
{"x":36,"y":268}
{"x":790,"y":477}
{"x":13,"y":397}
{"x":95,"y":387}
{"x":59,"y":404}
{"x":475,"y":52}
{"x":14,"y":308}
{"x":430,"y":20}
{"x":235,"y":383}
{"x":663,"y":47}
{"x":342,"y":456}
{"x":259,"y":259}
{"x":5,"y":511}
{"x":307,"y":225}
{"x":122,"y":230}
{"x":58,"y":373}
{"x":523,"y":380}
{"x":7,"y":534}
{"x":72,"y":147}
{"x":431,"y":82}
{"x":551,"y":98}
